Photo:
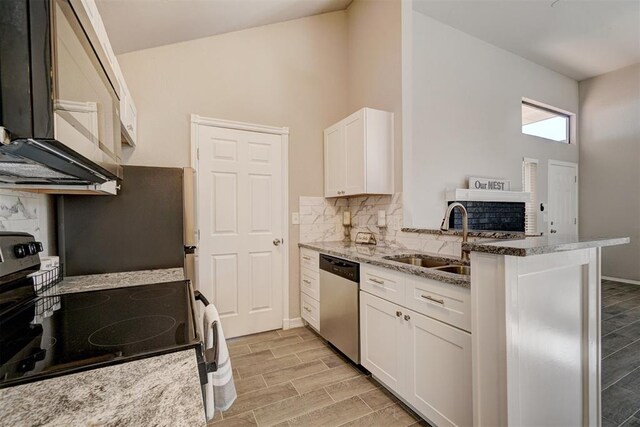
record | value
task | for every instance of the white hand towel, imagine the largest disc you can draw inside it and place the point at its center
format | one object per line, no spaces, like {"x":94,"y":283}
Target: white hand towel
{"x":221,"y":390}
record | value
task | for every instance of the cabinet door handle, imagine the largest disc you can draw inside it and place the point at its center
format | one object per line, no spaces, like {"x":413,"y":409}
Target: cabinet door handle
{"x":430,"y":298}
{"x":378,"y":281}
{"x":398,"y":313}
{"x":306,"y":281}
{"x":407,"y":317}
{"x":307,"y":309}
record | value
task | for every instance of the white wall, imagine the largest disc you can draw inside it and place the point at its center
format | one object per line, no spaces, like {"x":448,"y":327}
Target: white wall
{"x":375,"y":65}
{"x":288,"y":74}
{"x":610,"y":166}
{"x":466,"y":117}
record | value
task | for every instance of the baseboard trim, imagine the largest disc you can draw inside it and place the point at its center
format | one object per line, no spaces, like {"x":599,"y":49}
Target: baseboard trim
{"x":292,"y":323}
{"x":617,"y":279}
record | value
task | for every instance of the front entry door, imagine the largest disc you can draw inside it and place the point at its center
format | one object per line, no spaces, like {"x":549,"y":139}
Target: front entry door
{"x":563,"y":198}
{"x":240,"y":255}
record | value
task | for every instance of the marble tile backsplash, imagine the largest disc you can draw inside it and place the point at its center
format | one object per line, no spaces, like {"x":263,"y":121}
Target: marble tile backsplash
{"x":26,"y":212}
{"x":321,"y":220}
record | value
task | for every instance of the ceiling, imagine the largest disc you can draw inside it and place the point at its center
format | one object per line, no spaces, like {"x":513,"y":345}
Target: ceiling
{"x":577,"y":38}
{"x":141,"y":24}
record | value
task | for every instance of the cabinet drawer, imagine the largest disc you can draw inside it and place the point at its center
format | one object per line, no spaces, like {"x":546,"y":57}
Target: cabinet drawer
{"x":309,"y":259}
{"x":310,"y":310}
{"x":310,"y":283}
{"x":448,"y":303}
{"x":382,"y":282}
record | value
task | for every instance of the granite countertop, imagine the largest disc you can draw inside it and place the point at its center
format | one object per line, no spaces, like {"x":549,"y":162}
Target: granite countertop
{"x":542,"y":245}
{"x":118,"y":280}
{"x":485,"y":234}
{"x":138,"y":393}
{"x":159,"y":390}
{"x":374,"y":255}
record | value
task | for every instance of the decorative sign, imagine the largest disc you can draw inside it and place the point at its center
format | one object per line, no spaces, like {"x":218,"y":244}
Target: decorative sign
{"x":492,"y":184}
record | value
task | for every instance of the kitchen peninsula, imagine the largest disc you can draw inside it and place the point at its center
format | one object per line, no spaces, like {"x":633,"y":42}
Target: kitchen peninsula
{"x":533,"y":310}
{"x":536,"y":330}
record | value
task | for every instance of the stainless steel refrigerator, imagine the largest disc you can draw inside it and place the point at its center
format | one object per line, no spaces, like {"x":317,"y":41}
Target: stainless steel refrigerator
{"x":148,"y":225}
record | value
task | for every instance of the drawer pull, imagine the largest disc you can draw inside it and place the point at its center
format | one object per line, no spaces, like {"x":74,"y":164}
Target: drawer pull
{"x":430,"y":298}
{"x":407,"y":317}
{"x":307,"y":309}
{"x":306,"y":281}
{"x":378,"y":281}
{"x":307,"y":258}
{"x":398,"y":313}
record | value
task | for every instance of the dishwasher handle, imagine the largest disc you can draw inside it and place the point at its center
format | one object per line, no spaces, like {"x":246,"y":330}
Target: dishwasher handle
{"x":340,"y":267}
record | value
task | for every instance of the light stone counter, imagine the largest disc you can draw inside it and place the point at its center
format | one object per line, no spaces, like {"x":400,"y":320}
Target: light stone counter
{"x":118,"y":280}
{"x":375,"y":255}
{"x":160,"y":391}
{"x":542,"y":245}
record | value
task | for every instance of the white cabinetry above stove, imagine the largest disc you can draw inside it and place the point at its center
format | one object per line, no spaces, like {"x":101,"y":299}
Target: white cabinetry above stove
{"x":128,"y":112}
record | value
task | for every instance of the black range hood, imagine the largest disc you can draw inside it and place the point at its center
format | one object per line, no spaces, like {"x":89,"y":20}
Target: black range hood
{"x":48,"y":162}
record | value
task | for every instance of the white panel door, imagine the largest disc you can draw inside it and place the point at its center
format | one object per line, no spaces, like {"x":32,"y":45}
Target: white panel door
{"x":381,"y":339}
{"x":563,"y":198}
{"x":240,"y":260}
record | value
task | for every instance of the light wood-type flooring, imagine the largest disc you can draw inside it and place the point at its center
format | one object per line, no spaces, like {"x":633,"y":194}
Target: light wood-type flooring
{"x":294,"y":378}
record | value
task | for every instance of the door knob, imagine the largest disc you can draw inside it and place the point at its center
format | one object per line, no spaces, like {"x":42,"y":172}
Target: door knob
{"x":276,"y":242}
{"x":553,"y":231}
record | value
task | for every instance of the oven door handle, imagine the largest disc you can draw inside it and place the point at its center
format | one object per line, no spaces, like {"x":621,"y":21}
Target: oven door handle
{"x":198,"y":296}
{"x":211,"y":354}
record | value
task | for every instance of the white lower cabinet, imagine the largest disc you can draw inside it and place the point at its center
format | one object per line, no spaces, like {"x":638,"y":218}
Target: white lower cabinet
{"x":424,"y":361}
{"x":439,"y":371}
{"x":381,"y":339}
{"x":311,"y":311}
{"x":310,"y":287}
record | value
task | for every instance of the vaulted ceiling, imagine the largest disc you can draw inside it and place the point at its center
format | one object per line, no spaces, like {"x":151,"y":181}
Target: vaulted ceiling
{"x":577,"y":38}
{"x":141,"y":24}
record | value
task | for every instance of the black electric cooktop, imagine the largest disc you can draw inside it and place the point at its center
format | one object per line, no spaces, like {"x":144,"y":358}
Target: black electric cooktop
{"x":60,"y":334}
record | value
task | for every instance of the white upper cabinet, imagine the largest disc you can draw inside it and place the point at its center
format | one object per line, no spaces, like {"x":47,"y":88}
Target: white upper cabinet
{"x":128,"y":112}
{"x":335,"y":164}
{"x":358,"y":154}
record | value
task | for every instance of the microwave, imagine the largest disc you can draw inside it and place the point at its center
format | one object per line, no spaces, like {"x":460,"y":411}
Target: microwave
{"x":59,"y":108}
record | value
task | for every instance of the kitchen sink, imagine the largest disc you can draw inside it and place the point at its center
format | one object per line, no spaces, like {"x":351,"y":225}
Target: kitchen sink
{"x":420,"y":261}
{"x":429,"y":262}
{"x":456,"y":269}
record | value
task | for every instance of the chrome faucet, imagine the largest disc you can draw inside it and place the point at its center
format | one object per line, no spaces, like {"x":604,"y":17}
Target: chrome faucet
{"x":465,"y":225}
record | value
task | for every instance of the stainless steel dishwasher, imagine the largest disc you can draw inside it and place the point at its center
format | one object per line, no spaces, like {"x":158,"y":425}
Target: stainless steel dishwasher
{"x":339,"y":305}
